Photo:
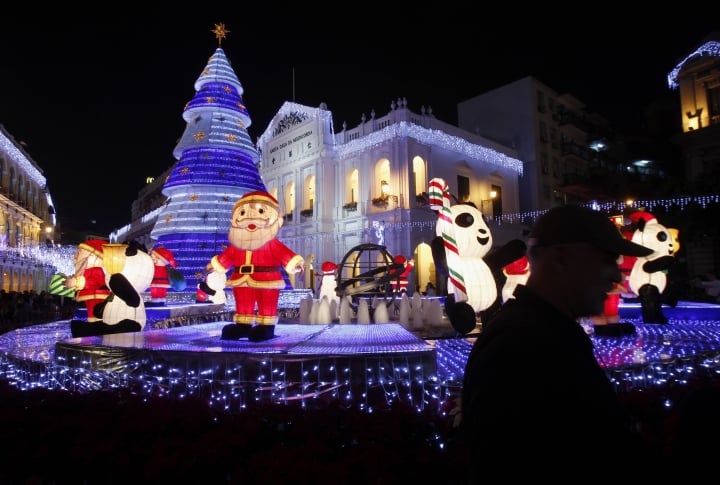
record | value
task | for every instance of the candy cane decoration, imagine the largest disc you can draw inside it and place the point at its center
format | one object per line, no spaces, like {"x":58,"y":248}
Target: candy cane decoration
{"x":439,"y":197}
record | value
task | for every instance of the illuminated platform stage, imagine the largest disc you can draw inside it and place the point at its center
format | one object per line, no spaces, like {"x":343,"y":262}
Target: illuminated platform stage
{"x":367,"y":365}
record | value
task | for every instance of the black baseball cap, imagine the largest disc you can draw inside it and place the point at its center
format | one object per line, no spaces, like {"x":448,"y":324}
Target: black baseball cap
{"x":579,"y":224}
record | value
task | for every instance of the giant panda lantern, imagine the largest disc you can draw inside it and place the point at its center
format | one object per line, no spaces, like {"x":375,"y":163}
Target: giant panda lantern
{"x":648,"y":276}
{"x":461,"y":251}
{"x":129,"y":271}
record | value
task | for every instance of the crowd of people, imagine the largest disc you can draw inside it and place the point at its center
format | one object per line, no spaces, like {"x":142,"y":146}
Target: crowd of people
{"x":705,"y":287}
{"x":22,"y":308}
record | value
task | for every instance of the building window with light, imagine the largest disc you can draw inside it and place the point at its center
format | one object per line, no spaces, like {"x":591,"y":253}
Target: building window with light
{"x":350,"y":202}
{"x":713,"y":95}
{"x":308,"y":196}
{"x":463,"y":188}
{"x":289,"y":201}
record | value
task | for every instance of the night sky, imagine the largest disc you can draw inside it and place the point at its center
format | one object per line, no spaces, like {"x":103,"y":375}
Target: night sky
{"x":97,"y":99}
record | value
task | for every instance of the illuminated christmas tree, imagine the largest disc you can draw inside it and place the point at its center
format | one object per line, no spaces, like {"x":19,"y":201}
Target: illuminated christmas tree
{"x":217,"y":164}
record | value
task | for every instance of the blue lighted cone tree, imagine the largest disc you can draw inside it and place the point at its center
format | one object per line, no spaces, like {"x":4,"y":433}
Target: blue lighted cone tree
{"x":217,"y":164}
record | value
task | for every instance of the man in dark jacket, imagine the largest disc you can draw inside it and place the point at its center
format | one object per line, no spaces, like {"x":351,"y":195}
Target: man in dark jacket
{"x":534,"y":394}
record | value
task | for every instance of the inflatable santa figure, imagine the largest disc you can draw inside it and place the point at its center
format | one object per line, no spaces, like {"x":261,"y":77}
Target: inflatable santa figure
{"x":400,"y":281}
{"x":89,"y":277}
{"x":256,"y":257}
{"x":162,"y":258}
{"x":609,"y":323}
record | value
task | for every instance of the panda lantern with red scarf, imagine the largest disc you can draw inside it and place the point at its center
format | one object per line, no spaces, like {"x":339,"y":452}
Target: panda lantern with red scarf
{"x":463,"y":253}
{"x":648,"y":277}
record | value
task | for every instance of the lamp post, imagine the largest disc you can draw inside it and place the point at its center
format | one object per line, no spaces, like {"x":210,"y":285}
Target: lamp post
{"x":49,"y":235}
{"x":384,"y":188}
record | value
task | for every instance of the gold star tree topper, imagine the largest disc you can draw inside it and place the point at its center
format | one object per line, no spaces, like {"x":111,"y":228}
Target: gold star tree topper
{"x":220,"y":32}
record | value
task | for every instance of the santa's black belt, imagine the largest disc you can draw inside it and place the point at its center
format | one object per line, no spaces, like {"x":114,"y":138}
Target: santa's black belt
{"x":251,"y":268}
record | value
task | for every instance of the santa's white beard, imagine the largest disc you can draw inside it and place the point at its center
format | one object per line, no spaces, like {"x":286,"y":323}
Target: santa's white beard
{"x":251,"y":240}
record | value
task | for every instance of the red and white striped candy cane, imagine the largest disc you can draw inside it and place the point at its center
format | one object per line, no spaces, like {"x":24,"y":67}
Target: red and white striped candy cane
{"x":439,"y":197}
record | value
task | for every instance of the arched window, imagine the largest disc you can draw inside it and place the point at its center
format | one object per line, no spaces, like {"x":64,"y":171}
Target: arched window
{"x":420,"y":179}
{"x":352,"y":192}
{"x":308,"y":195}
{"x":289,"y":200}
{"x":353,"y":186}
{"x":382,"y":174}
{"x":382,"y":184}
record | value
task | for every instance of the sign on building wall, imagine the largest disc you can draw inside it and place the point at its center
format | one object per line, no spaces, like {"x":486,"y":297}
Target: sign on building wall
{"x":292,"y":146}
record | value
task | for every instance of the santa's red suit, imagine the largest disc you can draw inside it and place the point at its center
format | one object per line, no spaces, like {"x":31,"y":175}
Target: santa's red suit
{"x":257,"y":258}
{"x":257,"y":279}
{"x":611,"y":308}
{"x":400,"y":282}
{"x":90,"y":283}
{"x":626,"y":266}
{"x":162,"y":257}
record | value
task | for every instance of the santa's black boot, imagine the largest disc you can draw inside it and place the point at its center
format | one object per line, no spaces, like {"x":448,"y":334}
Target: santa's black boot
{"x":235,"y":331}
{"x":261,"y":332}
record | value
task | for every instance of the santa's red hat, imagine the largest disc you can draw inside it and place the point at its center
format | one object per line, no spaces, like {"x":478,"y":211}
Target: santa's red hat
{"x":165,"y":256}
{"x":94,"y":246}
{"x":257,"y":196}
{"x":400,"y":259}
{"x":328,"y":267}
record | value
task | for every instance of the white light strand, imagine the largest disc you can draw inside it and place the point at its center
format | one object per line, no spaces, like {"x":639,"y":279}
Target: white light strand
{"x":11,"y":149}
{"x":430,"y":137}
{"x":711,"y":48}
{"x":526,"y":217}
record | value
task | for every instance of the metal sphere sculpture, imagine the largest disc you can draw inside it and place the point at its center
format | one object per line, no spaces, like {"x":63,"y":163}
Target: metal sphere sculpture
{"x":367,"y":271}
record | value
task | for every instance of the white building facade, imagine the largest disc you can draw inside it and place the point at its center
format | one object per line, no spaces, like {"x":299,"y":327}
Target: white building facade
{"x":27,"y":220}
{"x":369,"y":184}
